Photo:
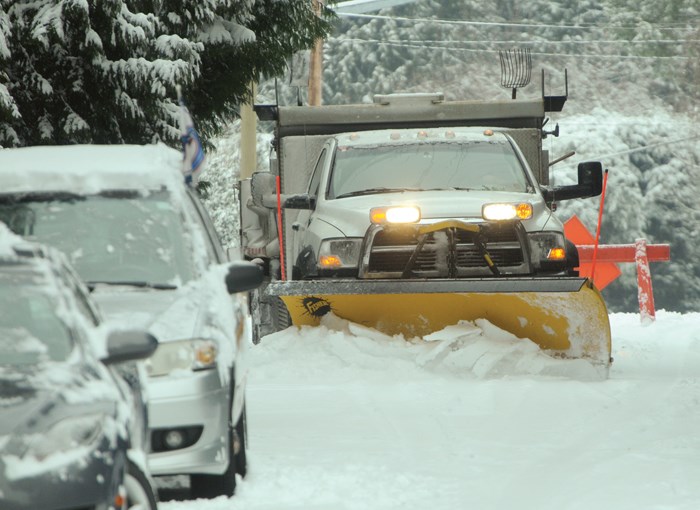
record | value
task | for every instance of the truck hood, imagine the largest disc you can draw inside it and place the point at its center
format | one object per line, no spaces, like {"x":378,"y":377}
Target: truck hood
{"x":351,"y":215}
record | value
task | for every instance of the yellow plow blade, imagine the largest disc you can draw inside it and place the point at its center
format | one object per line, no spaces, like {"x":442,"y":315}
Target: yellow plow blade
{"x":566,"y":316}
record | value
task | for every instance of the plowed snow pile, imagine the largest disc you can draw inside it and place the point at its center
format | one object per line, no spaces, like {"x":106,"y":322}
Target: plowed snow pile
{"x":469,"y":349}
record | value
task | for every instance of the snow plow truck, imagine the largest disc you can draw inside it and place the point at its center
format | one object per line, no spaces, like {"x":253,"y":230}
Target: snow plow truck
{"x":412,"y":213}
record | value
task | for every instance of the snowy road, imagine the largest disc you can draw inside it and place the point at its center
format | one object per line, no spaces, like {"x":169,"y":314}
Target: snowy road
{"x":342,"y":421}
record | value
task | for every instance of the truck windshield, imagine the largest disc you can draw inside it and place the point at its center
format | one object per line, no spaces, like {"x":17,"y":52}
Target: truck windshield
{"x":427,"y":166}
{"x":112,"y":237}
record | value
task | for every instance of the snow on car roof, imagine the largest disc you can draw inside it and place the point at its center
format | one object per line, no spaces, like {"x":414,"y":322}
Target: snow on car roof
{"x":90,"y":168}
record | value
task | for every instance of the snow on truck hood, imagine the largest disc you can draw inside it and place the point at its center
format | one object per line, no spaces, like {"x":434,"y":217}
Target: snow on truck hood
{"x":86,"y":169}
{"x":351,"y":215}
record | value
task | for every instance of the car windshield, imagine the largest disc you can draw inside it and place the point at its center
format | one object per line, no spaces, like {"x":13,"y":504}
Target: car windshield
{"x":427,"y":166}
{"x":115,"y":237}
{"x":30,"y":329}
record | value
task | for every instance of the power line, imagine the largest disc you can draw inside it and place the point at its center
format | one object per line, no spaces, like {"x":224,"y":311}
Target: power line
{"x":453,"y":48}
{"x":534,"y":42}
{"x":647,"y":147}
{"x":658,"y":26}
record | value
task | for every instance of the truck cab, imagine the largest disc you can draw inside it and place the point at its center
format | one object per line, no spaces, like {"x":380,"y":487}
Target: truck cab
{"x":371,"y":192}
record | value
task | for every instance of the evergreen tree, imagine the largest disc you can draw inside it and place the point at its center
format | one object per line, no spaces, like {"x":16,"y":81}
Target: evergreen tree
{"x":106,"y":71}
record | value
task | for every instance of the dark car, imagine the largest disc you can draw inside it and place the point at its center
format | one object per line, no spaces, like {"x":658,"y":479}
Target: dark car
{"x":69,"y":433}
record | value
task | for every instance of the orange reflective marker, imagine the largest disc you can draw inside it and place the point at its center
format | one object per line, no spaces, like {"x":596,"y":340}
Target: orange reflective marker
{"x":606,"y":272}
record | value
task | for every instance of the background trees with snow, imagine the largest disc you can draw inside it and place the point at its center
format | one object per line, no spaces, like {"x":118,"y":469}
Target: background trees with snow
{"x":106,"y":72}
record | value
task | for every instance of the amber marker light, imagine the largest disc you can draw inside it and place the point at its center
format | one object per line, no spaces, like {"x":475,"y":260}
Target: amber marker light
{"x":556,"y":254}
{"x":523,"y":211}
{"x":329,"y":261}
{"x":378,"y":215}
{"x":206,"y":353}
{"x":488,"y":132}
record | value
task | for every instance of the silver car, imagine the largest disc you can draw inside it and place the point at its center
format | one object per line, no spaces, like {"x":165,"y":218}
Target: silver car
{"x":145,"y":245}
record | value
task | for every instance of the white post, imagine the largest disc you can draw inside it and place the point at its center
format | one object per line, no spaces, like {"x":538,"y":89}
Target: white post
{"x":249,"y":128}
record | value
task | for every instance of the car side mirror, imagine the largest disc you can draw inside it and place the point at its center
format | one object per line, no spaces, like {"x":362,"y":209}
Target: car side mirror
{"x":590,"y":184}
{"x":243,"y":276}
{"x":300,"y":201}
{"x":129,"y":345}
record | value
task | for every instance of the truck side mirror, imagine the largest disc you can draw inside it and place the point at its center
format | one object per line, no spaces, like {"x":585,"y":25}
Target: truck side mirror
{"x":590,"y":184}
{"x":261,"y":184}
{"x":590,"y":175}
{"x":300,"y":201}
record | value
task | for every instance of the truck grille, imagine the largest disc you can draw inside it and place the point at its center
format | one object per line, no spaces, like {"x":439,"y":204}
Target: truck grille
{"x":451,"y":252}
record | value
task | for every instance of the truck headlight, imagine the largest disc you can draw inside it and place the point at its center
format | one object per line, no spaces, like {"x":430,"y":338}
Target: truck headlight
{"x":339,"y":253}
{"x":396,"y":214}
{"x":196,"y":354}
{"x":547,"y":248}
{"x":495,"y":212}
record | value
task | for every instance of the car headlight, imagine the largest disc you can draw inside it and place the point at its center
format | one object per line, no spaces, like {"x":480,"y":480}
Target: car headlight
{"x":339,"y":253}
{"x":66,"y":435}
{"x":496,"y":212}
{"x":196,"y":354}
{"x":395,"y":214}
{"x":547,"y":248}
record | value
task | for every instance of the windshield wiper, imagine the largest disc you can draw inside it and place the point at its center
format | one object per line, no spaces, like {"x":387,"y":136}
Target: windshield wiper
{"x":372,"y":191}
{"x":132,"y":283}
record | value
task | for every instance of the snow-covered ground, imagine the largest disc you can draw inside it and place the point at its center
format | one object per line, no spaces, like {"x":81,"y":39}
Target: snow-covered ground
{"x":353,"y":420}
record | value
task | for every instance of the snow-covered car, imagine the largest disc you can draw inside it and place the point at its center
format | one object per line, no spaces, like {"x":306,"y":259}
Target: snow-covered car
{"x":71,"y":435}
{"x":143,"y":242}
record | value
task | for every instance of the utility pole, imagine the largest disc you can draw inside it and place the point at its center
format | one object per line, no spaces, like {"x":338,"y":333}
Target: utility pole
{"x":248,"y":143}
{"x":316,"y":65}
{"x":316,"y":60}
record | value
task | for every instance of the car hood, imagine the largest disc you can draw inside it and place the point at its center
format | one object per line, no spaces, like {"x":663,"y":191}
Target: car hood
{"x":200,"y":309}
{"x":167,"y":314}
{"x":23,"y":403}
{"x":351,"y":215}
{"x":34,"y":396}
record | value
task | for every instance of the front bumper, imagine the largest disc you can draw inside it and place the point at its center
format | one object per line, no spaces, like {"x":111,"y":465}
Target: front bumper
{"x":199,"y":399}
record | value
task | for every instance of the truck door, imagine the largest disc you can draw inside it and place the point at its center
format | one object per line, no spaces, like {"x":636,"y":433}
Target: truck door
{"x":303,"y":249}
